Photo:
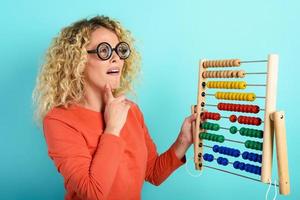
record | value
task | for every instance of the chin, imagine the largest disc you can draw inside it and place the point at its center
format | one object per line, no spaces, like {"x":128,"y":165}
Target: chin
{"x":115,"y":84}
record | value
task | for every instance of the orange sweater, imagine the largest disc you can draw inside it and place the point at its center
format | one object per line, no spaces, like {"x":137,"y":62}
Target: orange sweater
{"x":103,"y":166}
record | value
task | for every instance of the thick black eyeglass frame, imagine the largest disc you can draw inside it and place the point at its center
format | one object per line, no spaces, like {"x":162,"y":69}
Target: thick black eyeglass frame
{"x":96,"y":51}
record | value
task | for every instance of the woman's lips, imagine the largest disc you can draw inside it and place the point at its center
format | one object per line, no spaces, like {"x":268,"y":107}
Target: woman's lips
{"x":113,"y":74}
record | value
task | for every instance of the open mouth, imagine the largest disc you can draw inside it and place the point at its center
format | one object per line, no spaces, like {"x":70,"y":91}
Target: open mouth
{"x":113,"y":71}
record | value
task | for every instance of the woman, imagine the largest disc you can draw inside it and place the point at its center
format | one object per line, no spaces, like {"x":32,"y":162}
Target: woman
{"x":96,"y":137}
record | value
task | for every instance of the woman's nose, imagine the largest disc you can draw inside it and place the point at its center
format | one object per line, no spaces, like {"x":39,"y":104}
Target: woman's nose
{"x":115,"y":57}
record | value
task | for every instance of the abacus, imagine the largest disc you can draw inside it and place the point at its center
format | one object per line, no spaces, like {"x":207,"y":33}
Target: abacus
{"x":256,"y":134}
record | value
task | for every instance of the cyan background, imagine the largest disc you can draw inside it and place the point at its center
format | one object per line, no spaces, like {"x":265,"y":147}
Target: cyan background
{"x":172,"y":36}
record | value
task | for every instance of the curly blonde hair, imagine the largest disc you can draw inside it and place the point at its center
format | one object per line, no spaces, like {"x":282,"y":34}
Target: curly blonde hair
{"x":61,"y":77}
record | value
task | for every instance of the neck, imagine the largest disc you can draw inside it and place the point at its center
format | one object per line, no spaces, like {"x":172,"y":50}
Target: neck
{"x":93,"y":99}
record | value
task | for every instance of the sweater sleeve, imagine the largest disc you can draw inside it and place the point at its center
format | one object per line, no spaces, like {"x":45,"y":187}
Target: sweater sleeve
{"x":90,"y":177}
{"x":159,"y":167}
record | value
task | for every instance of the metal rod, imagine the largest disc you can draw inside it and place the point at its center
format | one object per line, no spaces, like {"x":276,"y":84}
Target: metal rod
{"x":211,"y":105}
{"x":224,"y":117}
{"x":253,"y":61}
{"x":243,"y":176}
{"x":256,"y":85}
{"x":260,"y":97}
{"x":256,"y":73}
{"x":224,"y":128}
{"x":207,"y":146}
{"x":235,"y":141}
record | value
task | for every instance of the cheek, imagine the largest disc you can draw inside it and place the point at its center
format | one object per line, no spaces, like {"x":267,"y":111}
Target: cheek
{"x":96,"y":72}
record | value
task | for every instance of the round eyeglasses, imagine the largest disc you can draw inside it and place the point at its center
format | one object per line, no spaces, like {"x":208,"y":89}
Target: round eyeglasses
{"x":104,"y":51}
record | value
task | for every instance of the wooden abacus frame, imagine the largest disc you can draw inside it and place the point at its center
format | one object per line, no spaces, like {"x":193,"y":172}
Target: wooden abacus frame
{"x":272,"y":118}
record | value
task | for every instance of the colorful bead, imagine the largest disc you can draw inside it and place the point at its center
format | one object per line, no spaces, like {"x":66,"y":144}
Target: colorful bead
{"x":233,"y":118}
{"x":208,"y":157}
{"x":233,"y":130}
{"x":238,"y":107}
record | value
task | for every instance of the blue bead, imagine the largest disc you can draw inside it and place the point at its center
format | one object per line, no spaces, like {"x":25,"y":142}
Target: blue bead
{"x":208,"y":157}
{"x":247,"y":168}
{"x":225,"y":161}
{"x":232,"y":152}
{"x":242,"y":166}
{"x":236,"y":164}
{"x":236,"y":153}
{"x":205,"y":157}
{"x":259,"y":159}
{"x":211,"y":157}
{"x":251,"y":169}
{"x":250,"y":156}
{"x":216,"y":148}
{"x":221,"y":150}
{"x":255,"y":157}
{"x":219,"y":160}
{"x":256,"y":170}
{"x":227,"y":151}
{"x":245,"y":155}
{"x":259,"y":170}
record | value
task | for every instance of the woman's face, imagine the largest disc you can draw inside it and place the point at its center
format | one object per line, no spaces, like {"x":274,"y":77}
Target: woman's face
{"x":98,"y":72}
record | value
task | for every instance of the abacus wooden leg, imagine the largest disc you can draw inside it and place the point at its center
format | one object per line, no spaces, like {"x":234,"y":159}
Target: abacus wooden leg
{"x":196,"y":140}
{"x":281,"y":150}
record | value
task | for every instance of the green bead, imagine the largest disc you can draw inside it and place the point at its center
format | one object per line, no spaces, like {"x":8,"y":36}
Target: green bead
{"x":221,"y":139}
{"x":260,"y":133}
{"x":214,"y":137}
{"x":251,"y":145}
{"x":242,"y":131}
{"x":251,"y":132}
{"x":233,"y":130}
{"x":208,"y":136}
{"x":247,"y":144}
{"x":256,"y":134}
{"x":201,"y":135}
{"x":216,"y":127}
{"x":255,"y":145}
{"x":260,"y":146}
{"x":246,"y":132}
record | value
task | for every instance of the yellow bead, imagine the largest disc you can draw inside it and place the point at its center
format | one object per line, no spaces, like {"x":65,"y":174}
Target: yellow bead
{"x":242,"y":85}
{"x":232,"y":96}
{"x":251,"y":97}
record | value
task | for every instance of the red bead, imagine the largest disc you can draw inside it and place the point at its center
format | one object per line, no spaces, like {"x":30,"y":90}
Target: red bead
{"x":240,"y":119}
{"x":248,"y":109}
{"x":257,"y":121}
{"x":256,"y":109}
{"x":233,"y":118}
{"x":238,"y":107}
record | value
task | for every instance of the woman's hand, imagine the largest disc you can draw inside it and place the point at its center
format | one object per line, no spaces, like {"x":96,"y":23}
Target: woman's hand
{"x":115,"y":113}
{"x":185,"y":137}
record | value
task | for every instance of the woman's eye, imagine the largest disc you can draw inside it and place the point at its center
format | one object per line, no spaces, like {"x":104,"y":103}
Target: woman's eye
{"x":103,"y":50}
